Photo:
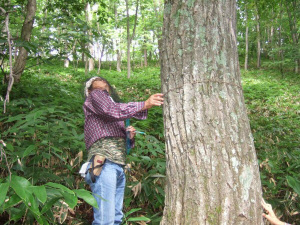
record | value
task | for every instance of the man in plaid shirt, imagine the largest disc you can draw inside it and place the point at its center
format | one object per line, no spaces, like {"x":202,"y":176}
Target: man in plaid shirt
{"x":105,"y":136}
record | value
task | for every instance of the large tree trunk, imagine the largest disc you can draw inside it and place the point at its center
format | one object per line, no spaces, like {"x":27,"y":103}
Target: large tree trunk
{"x":20,"y":63}
{"x":212,"y":169}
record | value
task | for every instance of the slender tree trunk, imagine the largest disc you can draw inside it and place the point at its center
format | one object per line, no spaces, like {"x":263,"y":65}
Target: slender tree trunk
{"x":129,"y":39}
{"x":10,"y":77}
{"x":119,"y":61}
{"x":82,"y":54}
{"x":145,"y":52}
{"x":27,"y":27}
{"x":88,"y":14}
{"x":100,"y":57}
{"x":258,"y":38}
{"x":145,"y":58}
{"x":133,"y":63}
{"x":118,"y":51}
{"x":66,"y":63}
{"x":86,"y":65}
{"x":272,"y":33}
{"x":74,"y":54}
{"x":293,"y":28}
{"x":280,"y":41}
{"x":212,"y":169}
{"x":247,"y":42}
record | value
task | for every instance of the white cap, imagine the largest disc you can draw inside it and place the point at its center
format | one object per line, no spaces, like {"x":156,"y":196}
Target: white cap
{"x":88,"y":85}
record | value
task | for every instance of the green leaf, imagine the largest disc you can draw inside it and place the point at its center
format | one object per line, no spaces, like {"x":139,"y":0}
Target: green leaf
{"x":293,"y":183}
{"x":33,"y":206}
{"x":141,"y":218}
{"x":49,"y":204}
{"x":132,"y":211}
{"x":13,"y":200}
{"x":10,"y":147}
{"x":14,"y":118}
{"x":39,"y":192}
{"x":3,"y":191}
{"x":17,"y":213}
{"x":59,"y":186}
{"x":70,"y":199}
{"x":158,"y":175}
{"x":20,"y":185}
{"x":28,"y":150}
{"x":86,"y":196}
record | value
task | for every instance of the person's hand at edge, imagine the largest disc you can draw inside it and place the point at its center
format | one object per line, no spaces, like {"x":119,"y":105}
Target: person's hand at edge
{"x":270,"y":215}
{"x":154,"y":100}
{"x":131,"y":131}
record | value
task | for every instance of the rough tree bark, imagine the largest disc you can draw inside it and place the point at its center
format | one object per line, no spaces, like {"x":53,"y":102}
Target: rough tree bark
{"x":27,"y":27}
{"x":212,"y":169}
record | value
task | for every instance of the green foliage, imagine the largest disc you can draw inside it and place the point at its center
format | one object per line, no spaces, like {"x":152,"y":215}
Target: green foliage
{"x":43,"y":132}
{"x":34,"y":203}
{"x":273,"y":109}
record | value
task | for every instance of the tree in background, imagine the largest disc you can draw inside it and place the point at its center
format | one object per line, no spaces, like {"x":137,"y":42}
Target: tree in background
{"x":130,"y":37}
{"x":27,"y":27}
{"x":212,"y":169}
{"x":274,"y":27}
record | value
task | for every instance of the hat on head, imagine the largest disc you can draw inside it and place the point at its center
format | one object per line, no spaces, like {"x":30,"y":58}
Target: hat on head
{"x":88,"y":85}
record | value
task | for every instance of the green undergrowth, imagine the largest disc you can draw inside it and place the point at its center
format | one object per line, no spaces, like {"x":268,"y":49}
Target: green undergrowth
{"x":43,"y":132}
{"x":273,"y":104}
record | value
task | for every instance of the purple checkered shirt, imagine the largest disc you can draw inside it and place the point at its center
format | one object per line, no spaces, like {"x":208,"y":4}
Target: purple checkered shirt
{"x":105,"y":118}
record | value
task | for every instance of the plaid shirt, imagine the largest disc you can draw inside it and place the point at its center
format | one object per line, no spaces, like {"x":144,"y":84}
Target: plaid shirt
{"x":105,"y":118}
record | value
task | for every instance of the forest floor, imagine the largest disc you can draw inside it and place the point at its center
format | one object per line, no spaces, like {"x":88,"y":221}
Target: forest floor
{"x":44,"y":128}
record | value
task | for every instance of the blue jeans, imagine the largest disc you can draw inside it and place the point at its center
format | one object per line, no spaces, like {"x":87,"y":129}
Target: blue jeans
{"x":110,"y":185}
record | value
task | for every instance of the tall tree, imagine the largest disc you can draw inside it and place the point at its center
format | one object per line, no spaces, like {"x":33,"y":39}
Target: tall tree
{"x":212,"y":169}
{"x":130,"y":37}
{"x":257,"y":17}
{"x":117,"y":43}
{"x":293,"y":8}
{"x":27,"y":27}
{"x":90,"y":64}
{"x":246,"y":38}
